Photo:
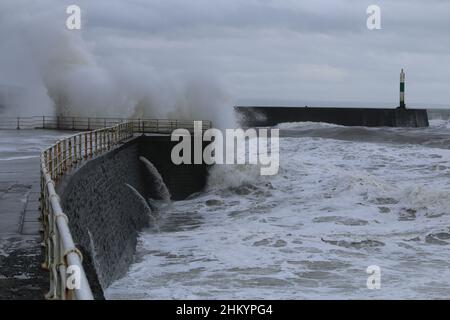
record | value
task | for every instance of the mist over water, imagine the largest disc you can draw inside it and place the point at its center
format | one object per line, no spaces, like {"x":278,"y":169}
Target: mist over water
{"x":344,"y":199}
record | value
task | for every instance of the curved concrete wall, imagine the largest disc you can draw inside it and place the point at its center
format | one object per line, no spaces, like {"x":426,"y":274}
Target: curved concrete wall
{"x":105,"y":215}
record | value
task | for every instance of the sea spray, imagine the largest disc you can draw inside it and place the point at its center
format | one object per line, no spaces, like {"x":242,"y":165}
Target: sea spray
{"x":47,"y":69}
{"x":233,"y":176}
{"x":158,"y":206}
{"x":147,"y":208}
{"x":94,"y":259}
{"x":160,"y":186}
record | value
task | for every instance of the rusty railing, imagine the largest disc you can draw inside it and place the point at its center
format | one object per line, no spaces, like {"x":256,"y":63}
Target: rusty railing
{"x":143,"y":125}
{"x":62,"y":258}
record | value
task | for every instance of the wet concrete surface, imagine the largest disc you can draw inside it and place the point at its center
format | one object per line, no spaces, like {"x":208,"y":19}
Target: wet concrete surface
{"x":21,"y":255}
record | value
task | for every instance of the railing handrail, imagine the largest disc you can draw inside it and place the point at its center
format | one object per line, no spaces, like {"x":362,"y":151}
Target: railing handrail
{"x":85,"y":123}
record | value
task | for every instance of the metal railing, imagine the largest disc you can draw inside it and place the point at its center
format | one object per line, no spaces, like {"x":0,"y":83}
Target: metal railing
{"x":61,"y":255}
{"x":90,"y":123}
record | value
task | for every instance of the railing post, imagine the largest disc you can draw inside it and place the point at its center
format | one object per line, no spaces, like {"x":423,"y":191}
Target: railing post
{"x":102,"y":134}
{"x":64,"y":155}
{"x":18,"y":123}
{"x":55,"y":162}
{"x":50,"y":162}
{"x":75,"y":154}
{"x":46,"y":164}
{"x":58,"y":158}
{"x":70,"y":153}
{"x":43,"y":122}
{"x":89,"y":123}
{"x":85,"y":146}
{"x":90,"y":144}
{"x":80,"y":138}
{"x":73,"y":123}
{"x":96,"y":143}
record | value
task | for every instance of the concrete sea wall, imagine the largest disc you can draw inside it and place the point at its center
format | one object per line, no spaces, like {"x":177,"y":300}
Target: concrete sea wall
{"x":270,"y":116}
{"x":105,"y":215}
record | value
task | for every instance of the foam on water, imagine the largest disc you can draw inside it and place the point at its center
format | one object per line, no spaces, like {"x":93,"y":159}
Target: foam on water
{"x":336,"y":207}
{"x":440,"y":123}
{"x":306,"y":124}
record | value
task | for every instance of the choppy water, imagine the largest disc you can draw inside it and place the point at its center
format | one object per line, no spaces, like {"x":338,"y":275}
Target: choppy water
{"x":344,"y":199}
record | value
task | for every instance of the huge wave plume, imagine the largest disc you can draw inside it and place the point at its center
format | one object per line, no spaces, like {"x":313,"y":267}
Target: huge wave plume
{"x":48,"y":69}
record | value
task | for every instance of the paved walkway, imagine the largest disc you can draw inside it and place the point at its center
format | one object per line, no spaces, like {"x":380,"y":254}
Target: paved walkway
{"x":20,"y":252}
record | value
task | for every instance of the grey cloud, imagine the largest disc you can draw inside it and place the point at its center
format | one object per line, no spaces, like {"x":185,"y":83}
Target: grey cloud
{"x":298,"y":50}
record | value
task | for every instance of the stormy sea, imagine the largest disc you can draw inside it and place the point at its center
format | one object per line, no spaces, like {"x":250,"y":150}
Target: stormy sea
{"x":345,"y":198}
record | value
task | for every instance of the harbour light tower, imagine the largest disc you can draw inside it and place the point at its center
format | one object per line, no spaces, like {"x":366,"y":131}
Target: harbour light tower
{"x":402,"y":90}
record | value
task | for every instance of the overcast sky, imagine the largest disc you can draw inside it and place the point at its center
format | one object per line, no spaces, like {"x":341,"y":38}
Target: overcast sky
{"x":273,"y":50}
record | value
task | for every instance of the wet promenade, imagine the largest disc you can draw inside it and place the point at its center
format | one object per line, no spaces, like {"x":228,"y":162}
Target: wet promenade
{"x":20,"y":252}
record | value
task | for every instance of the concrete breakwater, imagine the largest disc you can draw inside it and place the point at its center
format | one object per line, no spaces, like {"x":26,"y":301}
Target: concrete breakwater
{"x":255,"y":116}
{"x":105,"y":214}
